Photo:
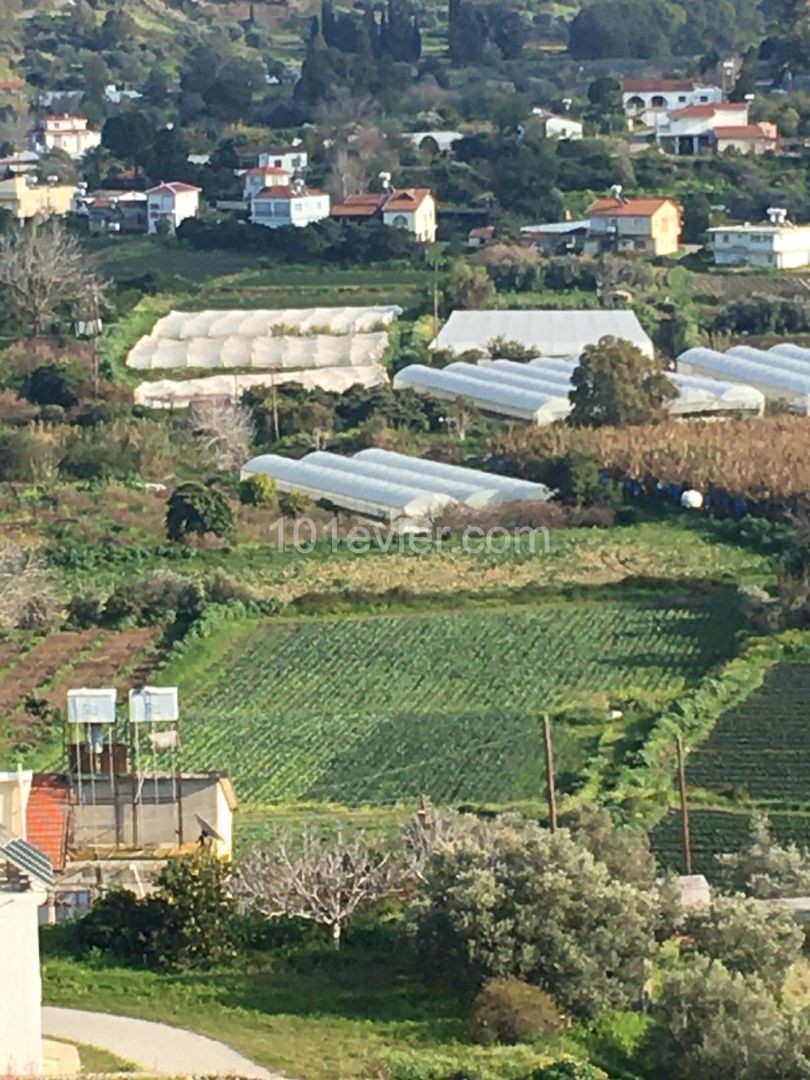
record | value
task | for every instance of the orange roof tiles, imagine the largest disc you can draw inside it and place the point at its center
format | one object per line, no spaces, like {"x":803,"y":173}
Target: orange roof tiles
{"x":626,"y":207}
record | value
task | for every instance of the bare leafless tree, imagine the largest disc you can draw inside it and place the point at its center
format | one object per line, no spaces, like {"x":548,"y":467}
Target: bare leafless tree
{"x":41,"y":267}
{"x":27,"y":597}
{"x":324,"y":879}
{"x":426,"y":830}
{"x":226,"y":430}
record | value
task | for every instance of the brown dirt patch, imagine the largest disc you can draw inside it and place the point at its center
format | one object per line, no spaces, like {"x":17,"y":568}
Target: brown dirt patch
{"x":41,"y":664}
{"x":120,"y":650}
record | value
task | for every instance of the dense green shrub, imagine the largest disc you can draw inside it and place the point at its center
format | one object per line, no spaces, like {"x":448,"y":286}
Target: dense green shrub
{"x":258,"y":490}
{"x":509,"y":1011}
{"x":198,"y":509}
{"x":294,"y":503}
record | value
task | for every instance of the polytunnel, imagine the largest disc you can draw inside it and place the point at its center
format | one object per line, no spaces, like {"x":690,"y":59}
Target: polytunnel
{"x":491,"y":397}
{"x":362,"y":494}
{"x":788,"y":349}
{"x":475,"y":495}
{"x":770,"y":360}
{"x":520,"y":380}
{"x":774,"y":382}
{"x":510,"y":487}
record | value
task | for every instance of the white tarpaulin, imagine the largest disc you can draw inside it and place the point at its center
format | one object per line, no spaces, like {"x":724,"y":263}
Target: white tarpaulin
{"x":179,"y":393}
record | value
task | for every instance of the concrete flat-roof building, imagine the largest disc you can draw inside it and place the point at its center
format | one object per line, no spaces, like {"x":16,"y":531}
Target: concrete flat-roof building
{"x":777,"y":244}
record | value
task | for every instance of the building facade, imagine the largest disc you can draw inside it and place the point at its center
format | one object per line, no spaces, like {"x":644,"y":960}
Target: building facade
{"x":68,"y":133}
{"x":643,"y":96}
{"x":412,"y":209}
{"x":285,"y":205}
{"x":168,"y":205}
{"x":261,"y":177}
{"x":773,"y":245}
{"x":634,"y":226}
{"x":292,"y":159}
{"x":24,"y":198}
{"x":111,"y":212}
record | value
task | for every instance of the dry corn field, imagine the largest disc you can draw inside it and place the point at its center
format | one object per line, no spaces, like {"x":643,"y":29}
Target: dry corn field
{"x":765,"y":458}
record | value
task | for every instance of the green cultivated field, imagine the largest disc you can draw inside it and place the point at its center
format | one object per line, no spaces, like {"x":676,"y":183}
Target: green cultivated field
{"x":384,"y":708}
{"x":760,"y":750}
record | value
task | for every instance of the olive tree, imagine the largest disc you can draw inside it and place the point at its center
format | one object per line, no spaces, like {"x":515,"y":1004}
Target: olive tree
{"x":747,"y":937}
{"x":508,"y":898}
{"x":712,"y":1022}
{"x":766,"y":869}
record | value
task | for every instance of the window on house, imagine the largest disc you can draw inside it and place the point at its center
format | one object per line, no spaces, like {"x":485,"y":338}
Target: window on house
{"x":682,"y":97}
{"x":704,"y":97}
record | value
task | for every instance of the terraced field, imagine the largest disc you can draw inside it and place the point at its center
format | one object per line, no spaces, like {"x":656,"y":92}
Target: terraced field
{"x":387,"y":707}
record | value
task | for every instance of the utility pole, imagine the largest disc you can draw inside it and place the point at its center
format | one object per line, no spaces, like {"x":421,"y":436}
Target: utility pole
{"x":552,"y":796}
{"x":687,"y":845}
{"x":435,"y":298}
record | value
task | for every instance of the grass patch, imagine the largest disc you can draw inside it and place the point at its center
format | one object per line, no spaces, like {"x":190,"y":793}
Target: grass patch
{"x":95,"y":1060}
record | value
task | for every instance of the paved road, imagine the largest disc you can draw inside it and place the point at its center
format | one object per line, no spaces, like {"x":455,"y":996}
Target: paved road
{"x":156,"y":1048}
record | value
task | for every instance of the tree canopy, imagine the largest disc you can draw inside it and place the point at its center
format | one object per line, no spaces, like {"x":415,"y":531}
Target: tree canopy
{"x":617,"y":384}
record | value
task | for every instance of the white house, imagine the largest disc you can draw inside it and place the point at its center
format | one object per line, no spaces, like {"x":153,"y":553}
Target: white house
{"x":691,"y":129}
{"x":65,"y":132}
{"x":170,"y":204}
{"x":413,"y":209}
{"x":777,"y":244}
{"x":290,"y":158}
{"x":289,"y":204}
{"x":263,"y":176}
{"x":25,"y":876}
{"x":559,"y":127}
{"x":640,"y":96}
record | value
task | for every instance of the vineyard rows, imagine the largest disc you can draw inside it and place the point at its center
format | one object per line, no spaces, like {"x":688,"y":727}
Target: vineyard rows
{"x":387,"y":707}
{"x":761,"y":748}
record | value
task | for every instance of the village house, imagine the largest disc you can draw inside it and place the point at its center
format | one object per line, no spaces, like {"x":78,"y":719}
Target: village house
{"x":23,"y":197}
{"x":289,"y":204}
{"x":292,"y":159}
{"x":170,"y":204}
{"x":114,"y":212}
{"x":65,"y":132}
{"x":646,"y":226}
{"x":559,"y":127}
{"x":434,"y":142}
{"x":556,"y":237}
{"x":260,"y":177}
{"x":412,"y":209}
{"x":747,"y":138}
{"x":777,"y":244}
{"x":481,"y":236}
{"x":642,"y":98}
{"x":708,"y":128}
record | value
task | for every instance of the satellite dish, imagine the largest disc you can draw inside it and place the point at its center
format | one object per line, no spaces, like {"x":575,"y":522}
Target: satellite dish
{"x":207,"y":832}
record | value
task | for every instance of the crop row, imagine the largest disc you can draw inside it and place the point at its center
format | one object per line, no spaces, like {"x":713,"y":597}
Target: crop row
{"x":379,"y":708}
{"x":760,"y":748}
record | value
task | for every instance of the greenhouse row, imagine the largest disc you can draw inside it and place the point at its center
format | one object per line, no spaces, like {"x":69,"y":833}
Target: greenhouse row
{"x":538,"y":390}
{"x":287,"y":338}
{"x":180,"y":393}
{"x":391,"y":486}
{"x":781,"y":373}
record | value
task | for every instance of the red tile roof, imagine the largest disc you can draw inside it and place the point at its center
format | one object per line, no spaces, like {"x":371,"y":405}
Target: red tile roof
{"x":708,"y":110}
{"x":649,"y":86}
{"x":286,"y":191}
{"x":46,"y":818}
{"x":744,"y":131}
{"x":485,"y":232}
{"x":173,"y":187}
{"x":363,"y":204}
{"x":626,"y":207}
{"x":406,"y":199}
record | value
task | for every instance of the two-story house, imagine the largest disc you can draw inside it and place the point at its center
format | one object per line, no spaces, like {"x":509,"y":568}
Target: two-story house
{"x":68,"y":133}
{"x":412,"y":209}
{"x":292,"y":159}
{"x":170,"y":204}
{"x":645,"y":226}
{"x":23,"y":197}
{"x":777,"y":244}
{"x":642,"y":98}
{"x":111,"y":212}
{"x":261,"y":177}
{"x":291,"y":204}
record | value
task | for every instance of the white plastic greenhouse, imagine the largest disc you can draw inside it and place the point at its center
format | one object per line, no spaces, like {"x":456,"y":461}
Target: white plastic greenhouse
{"x":770,"y":360}
{"x":504,"y":398}
{"x":771,"y":377}
{"x":475,"y":495}
{"x":364,"y":494}
{"x":179,"y":393}
{"x":509,"y":487}
{"x":518,"y":389}
{"x":287,"y":338}
{"x":798,"y":352}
